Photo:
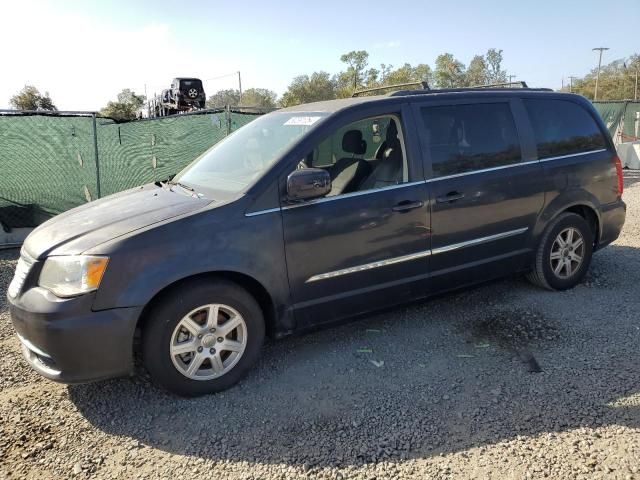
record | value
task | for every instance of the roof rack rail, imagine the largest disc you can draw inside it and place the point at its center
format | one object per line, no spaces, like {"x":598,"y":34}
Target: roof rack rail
{"x":426,"y":89}
{"x":424,"y":85}
{"x":520,"y":84}
{"x":494,"y":87}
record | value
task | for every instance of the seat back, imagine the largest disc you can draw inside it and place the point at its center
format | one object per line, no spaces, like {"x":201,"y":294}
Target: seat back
{"x":348,"y":172}
{"x":389,"y":170}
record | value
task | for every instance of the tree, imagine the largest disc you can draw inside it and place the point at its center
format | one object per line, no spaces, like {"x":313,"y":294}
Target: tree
{"x":476,"y":73}
{"x":449,"y":72}
{"x":30,"y":98}
{"x":357,"y":60}
{"x":495,"y":74}
{"x":617,"y":80}
{"x":304,"y":89}
{"x":259,"y":97}
{"x":408,"y":74}
{"x":371,"y":77}
{"x":384,"y":71}
{"x":223,"y":98}
{"x":126,"y":107}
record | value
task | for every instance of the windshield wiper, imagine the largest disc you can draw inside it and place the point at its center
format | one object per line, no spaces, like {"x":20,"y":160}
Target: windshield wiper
{"x":186,"y":187}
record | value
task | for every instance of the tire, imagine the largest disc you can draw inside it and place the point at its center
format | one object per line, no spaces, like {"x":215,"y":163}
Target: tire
{"x":180,"y":321}
{"x":543,"y":274}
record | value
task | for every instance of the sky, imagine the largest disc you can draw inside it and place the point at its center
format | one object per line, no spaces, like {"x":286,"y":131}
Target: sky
{"x":84,"y":52}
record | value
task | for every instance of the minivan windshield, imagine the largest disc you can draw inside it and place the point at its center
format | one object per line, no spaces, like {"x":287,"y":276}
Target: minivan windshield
{"x":237,"y":161}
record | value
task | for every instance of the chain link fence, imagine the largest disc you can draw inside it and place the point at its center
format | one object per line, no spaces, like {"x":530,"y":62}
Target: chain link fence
{"x":52,"y":162}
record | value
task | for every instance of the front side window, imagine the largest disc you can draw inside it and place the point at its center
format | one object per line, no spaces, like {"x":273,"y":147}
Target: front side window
{"x":240,"y":159}
{"x":466,"y":138}
{"x":563,"y":128}
{"x":363,"y":155}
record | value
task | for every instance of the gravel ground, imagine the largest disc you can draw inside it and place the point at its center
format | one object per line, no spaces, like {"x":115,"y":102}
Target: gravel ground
{"x":502,"y":381}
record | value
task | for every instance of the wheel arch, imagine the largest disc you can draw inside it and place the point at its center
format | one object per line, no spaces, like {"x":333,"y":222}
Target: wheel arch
{"x":579,"y":202}
{"x":591,"y":217}
{"x":250,"y":284}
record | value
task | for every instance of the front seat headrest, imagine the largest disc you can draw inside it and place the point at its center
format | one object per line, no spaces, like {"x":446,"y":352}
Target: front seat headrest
{"x":352,"y":142}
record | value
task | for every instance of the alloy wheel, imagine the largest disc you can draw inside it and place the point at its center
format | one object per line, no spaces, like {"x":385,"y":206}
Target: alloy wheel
{"x":208,"y":342}
{"x":567,"y":253}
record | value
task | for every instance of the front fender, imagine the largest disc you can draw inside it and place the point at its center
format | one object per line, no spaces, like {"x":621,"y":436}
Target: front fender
{"x":216,"y":240}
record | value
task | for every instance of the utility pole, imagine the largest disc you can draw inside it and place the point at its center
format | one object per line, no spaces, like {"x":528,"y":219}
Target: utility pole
{"x":562,"y":87}
{"x":240,"y":86}
{"x":511,"y":76}
{"x":600,"y":49}
{"x":571,"y":83}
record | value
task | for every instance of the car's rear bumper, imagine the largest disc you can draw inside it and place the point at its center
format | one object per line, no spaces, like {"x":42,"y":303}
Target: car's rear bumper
{"x":612,"y":218}
{"x":63,"y":340}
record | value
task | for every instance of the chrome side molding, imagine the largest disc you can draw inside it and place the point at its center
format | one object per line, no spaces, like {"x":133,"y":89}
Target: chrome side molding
{"x":416,"y":256}
{"x":369,"y":266}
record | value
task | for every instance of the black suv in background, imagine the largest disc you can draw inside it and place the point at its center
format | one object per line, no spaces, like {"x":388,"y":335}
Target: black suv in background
{"x":312,"y":214}
{"x":186,"y":93}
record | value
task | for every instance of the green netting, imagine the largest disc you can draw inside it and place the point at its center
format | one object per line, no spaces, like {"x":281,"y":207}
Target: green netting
{"x":611,"y":113}
{"x":49,"y":162}
{"x":135,"y":153}
{"x":48,"y":166}
{"x":631,"y":130}
{"x":621,"y":119}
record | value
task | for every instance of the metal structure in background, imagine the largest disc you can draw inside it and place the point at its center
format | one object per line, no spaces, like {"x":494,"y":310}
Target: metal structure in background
{"x":54,"y":161}
{"x":599,"y":49}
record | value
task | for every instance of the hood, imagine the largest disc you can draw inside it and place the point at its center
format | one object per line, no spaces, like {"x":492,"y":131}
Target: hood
{"x":89,"y":225}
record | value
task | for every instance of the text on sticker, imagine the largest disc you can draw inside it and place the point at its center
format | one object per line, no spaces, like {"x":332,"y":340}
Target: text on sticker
{"x":306,"y":121}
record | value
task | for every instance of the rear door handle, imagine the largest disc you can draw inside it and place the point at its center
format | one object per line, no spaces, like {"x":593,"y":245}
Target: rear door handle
{"x":407,"y":205}
{"x":450,"y":197}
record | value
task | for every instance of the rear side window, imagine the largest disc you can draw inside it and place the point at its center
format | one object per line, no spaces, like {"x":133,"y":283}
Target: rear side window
{"x":563,"y":128}
{"x":465,"y":138}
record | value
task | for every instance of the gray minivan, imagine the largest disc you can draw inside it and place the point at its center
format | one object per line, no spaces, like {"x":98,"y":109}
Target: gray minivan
{"x":313,"y":214}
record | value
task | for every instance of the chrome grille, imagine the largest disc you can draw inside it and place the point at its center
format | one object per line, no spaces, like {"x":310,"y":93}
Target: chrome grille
{"x":22,"y":270}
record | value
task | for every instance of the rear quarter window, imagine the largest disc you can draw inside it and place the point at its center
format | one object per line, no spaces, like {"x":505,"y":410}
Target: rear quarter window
{"x":563,"y":128}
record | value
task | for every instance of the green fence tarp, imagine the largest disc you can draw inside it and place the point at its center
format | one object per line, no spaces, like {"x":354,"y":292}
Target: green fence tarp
{"x":621,"y":118}
{"x":48,"y":162}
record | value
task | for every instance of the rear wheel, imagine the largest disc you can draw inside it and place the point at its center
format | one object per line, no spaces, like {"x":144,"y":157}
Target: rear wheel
{"x":202,"y":338}
{"x":564,"y":253}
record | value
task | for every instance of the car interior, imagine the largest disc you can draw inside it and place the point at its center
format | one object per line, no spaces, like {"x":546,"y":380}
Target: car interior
{"x":356,"y":164}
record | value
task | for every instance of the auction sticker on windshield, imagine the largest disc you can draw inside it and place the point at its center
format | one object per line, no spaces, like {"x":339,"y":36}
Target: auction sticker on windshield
{"x":306,"y":121}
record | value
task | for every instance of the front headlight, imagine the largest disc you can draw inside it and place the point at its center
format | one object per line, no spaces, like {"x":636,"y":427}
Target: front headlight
{"x":68,"y":276}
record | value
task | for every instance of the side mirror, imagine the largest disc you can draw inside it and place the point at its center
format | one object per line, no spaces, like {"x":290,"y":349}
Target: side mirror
{"x":308,"y":183}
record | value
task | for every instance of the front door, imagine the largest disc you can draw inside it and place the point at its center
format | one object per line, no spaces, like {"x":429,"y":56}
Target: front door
{"x":486,"y":189}
{"x":366,"y":244}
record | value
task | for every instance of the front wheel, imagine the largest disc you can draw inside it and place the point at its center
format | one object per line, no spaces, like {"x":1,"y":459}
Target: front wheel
{"x":564,"y":253}
{"x":202,"y":338}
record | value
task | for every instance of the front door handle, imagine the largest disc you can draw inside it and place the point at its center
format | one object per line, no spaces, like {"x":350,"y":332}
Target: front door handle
{"x":450,"y":197}
{"x":407,"y":205}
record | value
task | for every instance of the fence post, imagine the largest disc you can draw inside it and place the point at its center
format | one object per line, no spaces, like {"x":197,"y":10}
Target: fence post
{"x":228,"y":115}
{"x":95,"y":151}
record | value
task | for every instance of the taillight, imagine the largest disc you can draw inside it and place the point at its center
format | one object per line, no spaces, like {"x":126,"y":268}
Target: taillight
{"x":618,"y":164}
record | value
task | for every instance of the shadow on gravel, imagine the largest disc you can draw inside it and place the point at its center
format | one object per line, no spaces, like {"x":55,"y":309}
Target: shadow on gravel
{"x":438,"y":377}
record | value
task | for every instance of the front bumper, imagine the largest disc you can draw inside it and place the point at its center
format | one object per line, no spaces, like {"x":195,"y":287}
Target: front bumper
{"x":64,"y":340}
